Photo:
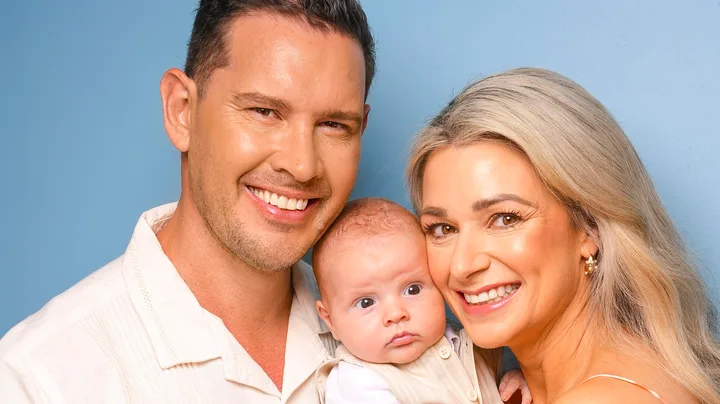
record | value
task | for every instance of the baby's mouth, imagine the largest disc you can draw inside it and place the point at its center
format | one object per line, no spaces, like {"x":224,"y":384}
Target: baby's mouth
{"x":402,"y":338}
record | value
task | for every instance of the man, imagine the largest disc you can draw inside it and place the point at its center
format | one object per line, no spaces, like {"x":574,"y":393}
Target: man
{"x":209,"y":303}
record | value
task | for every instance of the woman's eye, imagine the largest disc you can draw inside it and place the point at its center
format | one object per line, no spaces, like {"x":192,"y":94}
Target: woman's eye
{"x":441,"y":230}
{"x":506,"y":220}
{"x":364,"y":303}
{"x":413,"y":289}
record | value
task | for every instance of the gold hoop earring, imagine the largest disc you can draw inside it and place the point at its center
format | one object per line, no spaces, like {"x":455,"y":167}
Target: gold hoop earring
{"x":590,"y":265}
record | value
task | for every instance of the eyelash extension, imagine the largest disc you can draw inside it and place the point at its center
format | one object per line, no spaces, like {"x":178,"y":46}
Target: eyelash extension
{"x":513,"y":212}
{"x":428,"y":227}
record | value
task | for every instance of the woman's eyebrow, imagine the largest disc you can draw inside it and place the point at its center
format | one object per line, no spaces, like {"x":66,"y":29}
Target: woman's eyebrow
{"x":483,"y":204}
{"x":433,"y":211}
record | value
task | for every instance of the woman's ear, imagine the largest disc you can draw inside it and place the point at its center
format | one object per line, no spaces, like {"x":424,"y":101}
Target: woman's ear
{"x":325,"y":316}
{"x":588,"y":247}
{"x":178,"y":93}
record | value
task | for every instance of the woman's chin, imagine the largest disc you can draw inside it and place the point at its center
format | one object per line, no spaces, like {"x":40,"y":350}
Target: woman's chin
{"x":491,"y":333}
{"x":490,"y":327}
{"x":487,"y":340}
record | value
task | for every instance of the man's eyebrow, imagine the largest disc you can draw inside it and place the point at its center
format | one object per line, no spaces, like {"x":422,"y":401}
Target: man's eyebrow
{"x":480,"y":205}
{"x":264,"y":100}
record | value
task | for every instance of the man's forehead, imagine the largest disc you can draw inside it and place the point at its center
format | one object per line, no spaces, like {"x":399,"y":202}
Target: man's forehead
{"x":263,"y":27}
{"x":290,"y":60}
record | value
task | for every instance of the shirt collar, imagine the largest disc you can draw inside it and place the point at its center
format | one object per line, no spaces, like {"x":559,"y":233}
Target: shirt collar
{"x":453,"y":338}
{"x":176,"y":324}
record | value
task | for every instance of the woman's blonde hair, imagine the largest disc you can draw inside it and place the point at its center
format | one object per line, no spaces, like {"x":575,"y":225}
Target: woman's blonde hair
{"x":646,"y":290}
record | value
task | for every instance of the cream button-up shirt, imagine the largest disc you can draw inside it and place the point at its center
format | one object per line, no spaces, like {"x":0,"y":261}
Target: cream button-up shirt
{"x":133,"y":332}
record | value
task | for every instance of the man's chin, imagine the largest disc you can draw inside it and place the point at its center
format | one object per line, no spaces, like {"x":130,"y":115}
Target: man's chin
{"x":274,"y":261}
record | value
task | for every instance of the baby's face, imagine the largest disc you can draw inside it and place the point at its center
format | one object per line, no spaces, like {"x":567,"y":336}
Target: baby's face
{"x":381,"y":301}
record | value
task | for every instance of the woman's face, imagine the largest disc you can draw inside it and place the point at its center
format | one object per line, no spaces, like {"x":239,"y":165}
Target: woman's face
{"x":501,"y":248}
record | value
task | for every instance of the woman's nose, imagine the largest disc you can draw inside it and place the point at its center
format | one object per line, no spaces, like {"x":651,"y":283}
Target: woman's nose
{"x":469,"y":257}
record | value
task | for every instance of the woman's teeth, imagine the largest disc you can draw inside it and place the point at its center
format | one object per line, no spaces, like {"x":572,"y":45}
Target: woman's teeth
{"x":281,"y":201}
{"x":492,"y":295}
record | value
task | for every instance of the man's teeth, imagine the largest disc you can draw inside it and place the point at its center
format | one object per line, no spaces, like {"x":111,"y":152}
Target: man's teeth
{"x":281,"y":201}
{"x":493,"y":295}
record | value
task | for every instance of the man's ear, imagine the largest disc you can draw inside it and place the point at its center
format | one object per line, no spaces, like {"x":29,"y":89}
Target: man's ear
{"x":366,"y":115}
{"x":178,"y":93}
{"x":325,"y":316}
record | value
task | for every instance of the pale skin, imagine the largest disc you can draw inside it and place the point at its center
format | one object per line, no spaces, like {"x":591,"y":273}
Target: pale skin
{"x":284,"y":115}
{"x":377,"y":286}
{"x":495,"y":223}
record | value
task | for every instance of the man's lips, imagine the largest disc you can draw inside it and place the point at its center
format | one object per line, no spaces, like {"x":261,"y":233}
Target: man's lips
{"x":278,"y":211}
{"x":284,"y":199}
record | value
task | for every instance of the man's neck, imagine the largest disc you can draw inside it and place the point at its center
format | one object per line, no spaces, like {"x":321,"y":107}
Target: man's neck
{"x":253,"y":305}
{"x":559,"y":357}
{"x":222,"y":283}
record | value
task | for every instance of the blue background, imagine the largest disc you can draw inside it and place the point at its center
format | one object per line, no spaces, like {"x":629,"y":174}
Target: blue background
{"x":84,"y":152}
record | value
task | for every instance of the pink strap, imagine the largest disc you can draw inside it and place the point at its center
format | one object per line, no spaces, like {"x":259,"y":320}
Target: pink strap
{"x":627,"y":381}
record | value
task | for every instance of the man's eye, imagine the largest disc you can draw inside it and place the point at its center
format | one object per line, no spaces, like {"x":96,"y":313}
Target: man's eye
{"x":264,"y":111}
{"x":413,"y":289}
{"x":334,"y":125}
{"x":364,"y":303}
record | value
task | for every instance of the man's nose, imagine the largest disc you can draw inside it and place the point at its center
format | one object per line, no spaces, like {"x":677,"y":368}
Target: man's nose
{"x":297,"y":153}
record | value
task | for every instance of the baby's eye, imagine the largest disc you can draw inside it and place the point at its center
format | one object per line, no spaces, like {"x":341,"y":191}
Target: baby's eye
{"x":364,"y":303}
{"x":413,"y":289}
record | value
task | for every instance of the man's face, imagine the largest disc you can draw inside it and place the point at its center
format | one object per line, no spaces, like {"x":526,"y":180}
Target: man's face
{"x":275,"y":138}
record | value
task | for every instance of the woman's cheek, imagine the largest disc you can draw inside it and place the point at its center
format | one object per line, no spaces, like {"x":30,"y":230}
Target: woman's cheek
{"x":439,"y":268}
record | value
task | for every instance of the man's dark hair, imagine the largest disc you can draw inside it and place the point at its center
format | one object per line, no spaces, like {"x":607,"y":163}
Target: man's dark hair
{"x":207,"y":49}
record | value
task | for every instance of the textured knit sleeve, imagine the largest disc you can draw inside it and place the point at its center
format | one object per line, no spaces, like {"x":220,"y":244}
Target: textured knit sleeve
{"x":348,"y":383}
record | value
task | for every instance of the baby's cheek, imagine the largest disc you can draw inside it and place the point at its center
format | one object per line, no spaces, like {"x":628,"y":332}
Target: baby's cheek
{"x":363,"y":339}
{"x":435,"y":316}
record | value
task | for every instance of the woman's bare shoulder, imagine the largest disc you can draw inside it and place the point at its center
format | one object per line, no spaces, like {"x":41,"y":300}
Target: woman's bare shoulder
{"x":606,"y":390}
{"x":599,"y":391}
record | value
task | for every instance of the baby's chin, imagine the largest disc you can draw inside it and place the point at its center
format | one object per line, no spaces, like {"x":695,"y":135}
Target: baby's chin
{"x":407,"y":358}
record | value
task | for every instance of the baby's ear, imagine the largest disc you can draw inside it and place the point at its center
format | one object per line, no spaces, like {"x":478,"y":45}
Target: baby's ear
{"x":325,"y":316}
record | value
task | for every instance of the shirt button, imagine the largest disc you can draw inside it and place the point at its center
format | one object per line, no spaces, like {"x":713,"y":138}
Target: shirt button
{"x":444,"y":352}
{"x":472,"y":395}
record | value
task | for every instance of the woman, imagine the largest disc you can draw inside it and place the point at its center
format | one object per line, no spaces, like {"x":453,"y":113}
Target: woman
{"x":546,"y":235}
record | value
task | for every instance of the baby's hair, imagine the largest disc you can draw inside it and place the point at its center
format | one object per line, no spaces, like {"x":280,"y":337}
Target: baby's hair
{"x":365,"y":217}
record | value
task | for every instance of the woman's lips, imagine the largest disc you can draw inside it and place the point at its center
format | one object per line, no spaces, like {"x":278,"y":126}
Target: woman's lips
{"x":488,"y":306}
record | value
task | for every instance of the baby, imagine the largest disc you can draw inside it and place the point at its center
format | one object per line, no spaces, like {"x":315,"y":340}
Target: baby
{"x":378,"y":299}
